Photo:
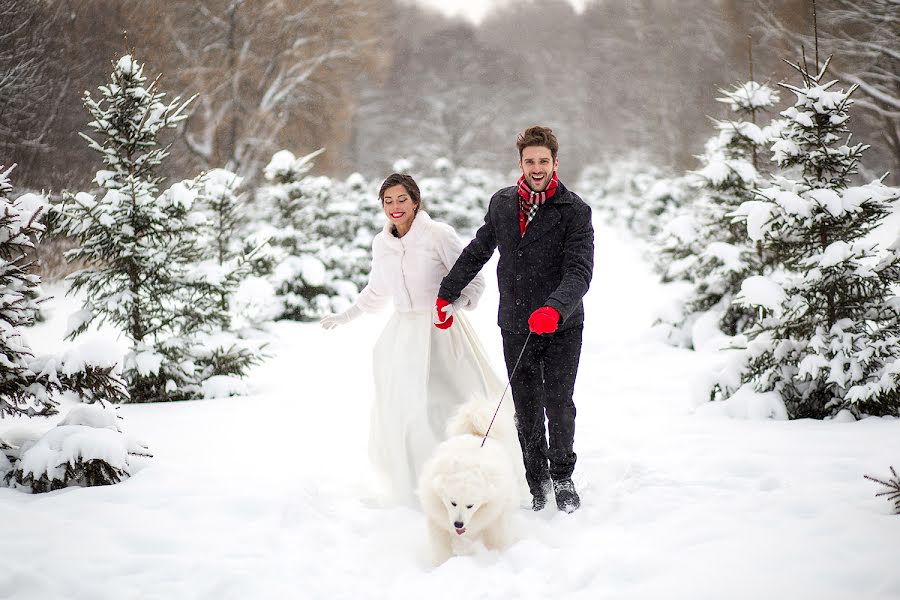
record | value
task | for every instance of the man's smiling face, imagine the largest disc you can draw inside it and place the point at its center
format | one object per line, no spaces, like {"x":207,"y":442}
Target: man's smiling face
{"x":537,"y":164}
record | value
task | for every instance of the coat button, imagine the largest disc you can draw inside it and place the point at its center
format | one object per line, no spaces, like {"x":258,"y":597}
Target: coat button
{"x":519,"y":277}
{"x":519,"y":253}
{"x":518,"y":302}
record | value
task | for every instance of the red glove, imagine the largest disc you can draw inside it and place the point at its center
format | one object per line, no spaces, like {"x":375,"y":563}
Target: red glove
{"x":544,"y":320}
{"x":445,"y":320}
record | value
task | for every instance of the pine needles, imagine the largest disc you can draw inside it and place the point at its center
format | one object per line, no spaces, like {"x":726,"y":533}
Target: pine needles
{"x":893,"y":489}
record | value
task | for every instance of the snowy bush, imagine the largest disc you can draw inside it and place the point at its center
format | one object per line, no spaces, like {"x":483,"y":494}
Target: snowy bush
{"x":362,"y":195}
{"x":633,"y":193}
{"x":319,"y":239}
{"x":459,"y":197}
{"x":88,"y":447}
{"x":402,"y":165}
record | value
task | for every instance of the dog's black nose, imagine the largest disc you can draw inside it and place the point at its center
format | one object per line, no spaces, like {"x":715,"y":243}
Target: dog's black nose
{"x":458,"y":524}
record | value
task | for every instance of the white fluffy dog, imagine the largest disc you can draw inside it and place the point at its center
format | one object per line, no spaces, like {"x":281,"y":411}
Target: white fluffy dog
{"x":468,"y":491}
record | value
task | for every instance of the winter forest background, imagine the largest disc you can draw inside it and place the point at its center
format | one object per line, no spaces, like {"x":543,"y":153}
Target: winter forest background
{"x":182,"y":204}
{"x":364,"y":79}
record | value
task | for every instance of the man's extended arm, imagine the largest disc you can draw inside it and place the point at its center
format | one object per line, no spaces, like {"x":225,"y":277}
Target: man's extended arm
{"x":473,"y":258}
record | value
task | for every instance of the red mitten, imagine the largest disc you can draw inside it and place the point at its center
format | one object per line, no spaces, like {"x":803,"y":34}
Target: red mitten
{"x":544,"y":320}
{"x":444,"y":320}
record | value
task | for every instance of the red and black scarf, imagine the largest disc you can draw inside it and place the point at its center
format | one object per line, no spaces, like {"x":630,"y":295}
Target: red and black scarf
{"x":529,"y":200}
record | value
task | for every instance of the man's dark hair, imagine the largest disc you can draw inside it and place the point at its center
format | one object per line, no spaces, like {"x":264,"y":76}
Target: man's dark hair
{"x":537,"y":136}
{"x":408,"y":183}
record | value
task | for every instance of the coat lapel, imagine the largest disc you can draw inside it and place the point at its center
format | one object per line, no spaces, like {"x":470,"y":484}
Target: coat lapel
{"x":544,"y":220}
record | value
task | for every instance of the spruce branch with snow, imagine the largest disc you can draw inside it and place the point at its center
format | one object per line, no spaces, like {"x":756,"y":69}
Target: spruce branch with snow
{"x":893,"y":489}
{"x":88,"y":447}
{"x":829,"y":337}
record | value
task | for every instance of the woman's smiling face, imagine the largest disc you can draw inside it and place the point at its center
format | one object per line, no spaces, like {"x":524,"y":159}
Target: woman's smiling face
{"x":399,"y":207}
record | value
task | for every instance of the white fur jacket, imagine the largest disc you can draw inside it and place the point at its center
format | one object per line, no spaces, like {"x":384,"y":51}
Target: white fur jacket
{"x":409,"y":269}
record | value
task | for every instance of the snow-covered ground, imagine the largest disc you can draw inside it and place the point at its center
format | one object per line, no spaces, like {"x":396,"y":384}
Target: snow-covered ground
{"x":270,"y":496}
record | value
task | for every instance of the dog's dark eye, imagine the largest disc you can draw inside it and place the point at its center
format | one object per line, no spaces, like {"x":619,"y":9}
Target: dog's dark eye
{"x":453,"y":504}
{"x":470,"y":506}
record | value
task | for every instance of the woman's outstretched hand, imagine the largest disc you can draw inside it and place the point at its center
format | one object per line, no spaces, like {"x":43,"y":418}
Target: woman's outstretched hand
{"x":332,"y":321}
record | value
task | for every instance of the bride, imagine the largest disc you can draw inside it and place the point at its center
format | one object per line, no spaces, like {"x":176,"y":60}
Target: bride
{"x":422,"y":373}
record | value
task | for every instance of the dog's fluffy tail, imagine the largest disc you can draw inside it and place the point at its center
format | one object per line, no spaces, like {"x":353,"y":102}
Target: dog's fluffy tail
{"x":474,"y":417}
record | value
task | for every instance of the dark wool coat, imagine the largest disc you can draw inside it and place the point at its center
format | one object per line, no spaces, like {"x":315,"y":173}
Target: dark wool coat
{"x":551,"y":265}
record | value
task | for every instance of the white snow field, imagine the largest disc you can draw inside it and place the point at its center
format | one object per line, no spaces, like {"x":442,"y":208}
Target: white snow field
{"x":271,"y":496}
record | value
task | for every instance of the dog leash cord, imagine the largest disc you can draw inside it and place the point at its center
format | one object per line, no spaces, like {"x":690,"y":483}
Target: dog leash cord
{"x":503,"y":395}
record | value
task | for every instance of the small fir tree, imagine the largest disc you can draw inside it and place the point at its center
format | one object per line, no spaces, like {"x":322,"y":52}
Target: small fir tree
{"x":616,"y":190}
{"x":88,"y":447}
{"x":829,"y":338}
{"x":142,"y":246}
{"x":362,"y":194}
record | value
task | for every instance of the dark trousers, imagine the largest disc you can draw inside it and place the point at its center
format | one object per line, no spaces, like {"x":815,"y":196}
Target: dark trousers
{"x":543,"y":386}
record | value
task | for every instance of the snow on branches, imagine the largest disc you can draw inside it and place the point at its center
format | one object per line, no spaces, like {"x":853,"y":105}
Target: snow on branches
{"x":833,"y":341}
{"x":702,"y":244}
{"x":319,"y":238}
{"x":143,"y":247}
{"x":30,"y":384}
{"x":86,"y":448}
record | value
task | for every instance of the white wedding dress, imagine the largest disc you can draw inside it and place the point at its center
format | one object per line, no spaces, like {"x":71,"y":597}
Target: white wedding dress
{"x":422,"y":373}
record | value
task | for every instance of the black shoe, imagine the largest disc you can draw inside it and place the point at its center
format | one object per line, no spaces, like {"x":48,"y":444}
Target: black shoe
{"x":567,"y":499}
{"x":539,"y":496}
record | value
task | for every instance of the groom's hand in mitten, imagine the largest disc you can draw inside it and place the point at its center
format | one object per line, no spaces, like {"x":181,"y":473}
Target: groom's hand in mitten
{"x":544,"y":320}
{"x":444,"y":310}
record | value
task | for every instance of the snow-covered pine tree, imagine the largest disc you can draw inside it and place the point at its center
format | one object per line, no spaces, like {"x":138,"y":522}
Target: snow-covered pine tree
{"x":141,"y":245}
{"x":28,"y":383}
{"x":829,"y":339}
{"x":129,"y":235}
{"x":317,"y":263}
{"x":705,"y":245}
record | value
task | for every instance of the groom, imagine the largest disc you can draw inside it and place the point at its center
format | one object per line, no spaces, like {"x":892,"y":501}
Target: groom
{"x":546,"y":244}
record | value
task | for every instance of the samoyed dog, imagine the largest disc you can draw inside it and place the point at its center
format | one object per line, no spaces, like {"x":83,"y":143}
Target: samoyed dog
{"x":469,"y":492}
